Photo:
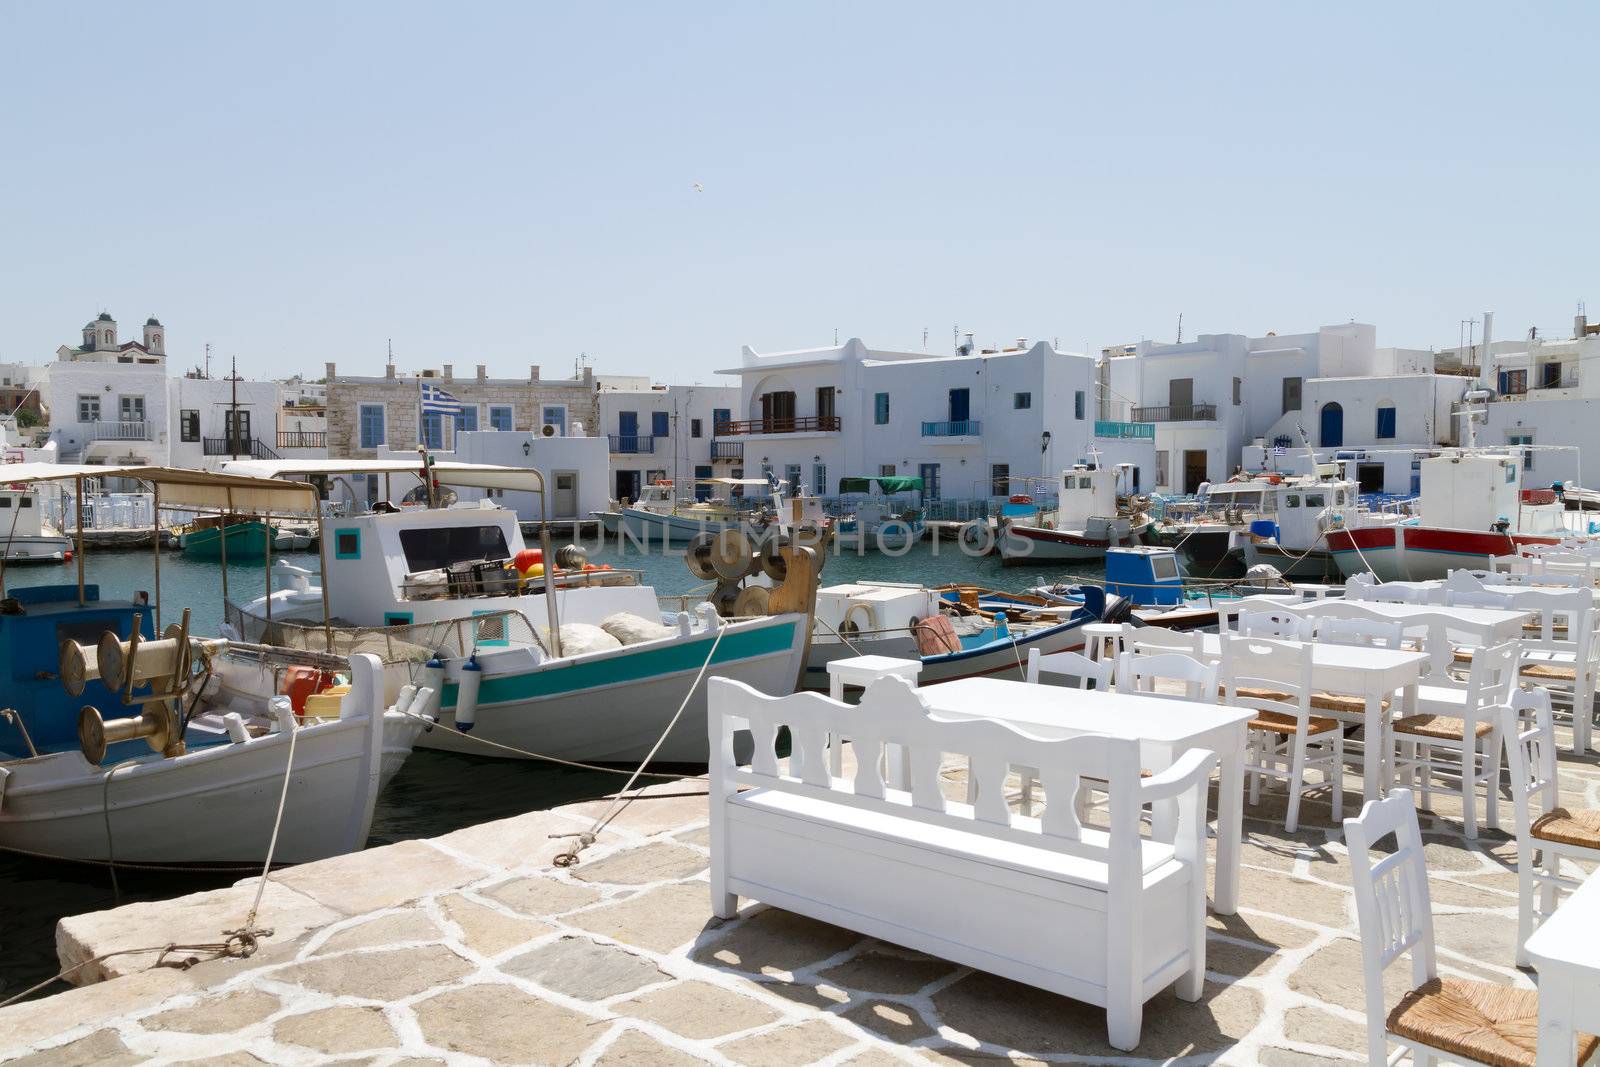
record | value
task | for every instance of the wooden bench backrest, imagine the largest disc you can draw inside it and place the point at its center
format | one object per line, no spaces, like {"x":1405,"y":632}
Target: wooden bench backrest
{"x":892,"y":712}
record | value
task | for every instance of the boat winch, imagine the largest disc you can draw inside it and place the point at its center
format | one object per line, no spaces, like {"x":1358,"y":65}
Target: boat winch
{"x":158,"y":724}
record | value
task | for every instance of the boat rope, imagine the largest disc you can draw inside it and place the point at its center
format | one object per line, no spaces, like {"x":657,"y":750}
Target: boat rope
{"x":105,"y":812}
{"x":430,"y":721}
{"x":846,"y":641}
{"x":272,"y":844}
{"x":238,"y":944}
{"x":584,"y":838}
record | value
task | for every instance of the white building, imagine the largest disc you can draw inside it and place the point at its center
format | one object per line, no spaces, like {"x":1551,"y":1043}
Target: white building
{"x":968,"y":424}
{"x":574,"y":470}
{"x":107,"y":399}
{"x":217,"y":419}
{"x":1543,"y":393}
{"x":663,"y":431}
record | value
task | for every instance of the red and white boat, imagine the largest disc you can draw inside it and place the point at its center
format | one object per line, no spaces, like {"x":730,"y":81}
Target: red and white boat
{"x":1473,"y":509}
{"x":1090,"y":517}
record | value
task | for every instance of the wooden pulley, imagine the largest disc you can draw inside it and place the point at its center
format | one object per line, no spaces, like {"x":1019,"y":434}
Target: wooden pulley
{"x":79,"y":665}
{"x":698,"y":555}
{"x":752,"y":600}
{"x":157,"y":724}
{"x":153,"y":659}
{"x":724,"y":597}
{"x":772,"y":563}
{"x":731,"y":555}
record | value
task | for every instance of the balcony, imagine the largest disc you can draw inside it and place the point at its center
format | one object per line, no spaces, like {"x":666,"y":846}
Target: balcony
{"x":241,"y":447}
{"x":732,"y":451}
{"x":119,"y":431}
{"x":960,"y":428}
{"x":632,"y":444}
{"x":793,"y":424}
{"x":302,"y":439}
{"x":1177,"y":413}
{"x":1124,"y":431}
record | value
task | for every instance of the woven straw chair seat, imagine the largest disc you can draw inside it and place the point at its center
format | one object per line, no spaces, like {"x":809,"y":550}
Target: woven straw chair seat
{"x":1567,"y":827}
{"x":1279,"y":723}
{"x":1550,"y":672}
{"x":1350,"y":705}
{"x":1483,"y":1021}
{"x":1440,"y":727}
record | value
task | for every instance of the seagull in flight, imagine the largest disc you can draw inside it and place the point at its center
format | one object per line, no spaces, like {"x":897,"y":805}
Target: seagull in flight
{"x":698,"y":187}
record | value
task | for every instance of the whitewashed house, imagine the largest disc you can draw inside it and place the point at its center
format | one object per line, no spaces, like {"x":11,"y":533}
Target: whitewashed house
{"x":972,"y":425}
{"x":214,"y":420}
{"x":1543,"y":393}
{"x":302,"y":419}
{"x":107,"y":398}
{"x":664,"y":431}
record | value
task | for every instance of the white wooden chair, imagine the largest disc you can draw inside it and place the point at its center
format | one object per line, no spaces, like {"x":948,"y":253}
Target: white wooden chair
{"x":1561,"y":653}
{"x":1286,"y":738}
{"x":1463,"y":726}
{"x":1369,"y":633}
{"x":1476,"y":598}
{"x":1282,"y":623}
{"x":1188,"y":643}
{"x":1546,"y":831}
{"x":1145,"y":675}
{"x":1111,"y":918}
{"x":1084,"y":672}
{"x":1459,"y":1020}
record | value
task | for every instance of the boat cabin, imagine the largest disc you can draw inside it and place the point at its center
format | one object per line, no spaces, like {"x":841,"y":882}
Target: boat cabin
{"x":1472,"y":491}
{"x":1147,"y":576}
{"x":1305,"y":510}
{"x":1085,"y":493}
{"x":21,"y":515}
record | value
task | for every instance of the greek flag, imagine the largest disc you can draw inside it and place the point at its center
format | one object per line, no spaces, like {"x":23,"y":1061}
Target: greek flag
{"x":1277,"y":450}
{"x":436,"y":401}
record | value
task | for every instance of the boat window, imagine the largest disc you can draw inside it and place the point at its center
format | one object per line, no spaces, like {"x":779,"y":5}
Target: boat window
{"x":433,"y":547}
{"x":1292,"y":500}
{"x":5,"y":502}
{"x":25,"y":502}
{"x":1315,"y":500}
{"x":1164,"y":567}
{"x":1084,"y":483}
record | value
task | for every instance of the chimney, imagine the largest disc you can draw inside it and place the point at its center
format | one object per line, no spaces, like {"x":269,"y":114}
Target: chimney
{"x":388,"y":370}
{"x":1485,"y":364}
{"x":483,"y":371}
{"x":330,"y":369}
{"x":449,"y":371}
{"x":533,"y":373}
{"x":588,"y":377}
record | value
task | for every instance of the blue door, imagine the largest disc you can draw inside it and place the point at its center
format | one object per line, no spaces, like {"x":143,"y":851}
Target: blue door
{"x":658,"y":424}
{"x":627,"y":431}
{"x":930,"y":479}
{"x":1332,"y":426}
{"x":702,"y":491}
{"x":960,"y":405}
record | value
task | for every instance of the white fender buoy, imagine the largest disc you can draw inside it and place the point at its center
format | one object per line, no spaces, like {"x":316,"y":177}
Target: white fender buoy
{"x":402,"y":702}
{"x":432,"y":678}
{"x":467,"y":694}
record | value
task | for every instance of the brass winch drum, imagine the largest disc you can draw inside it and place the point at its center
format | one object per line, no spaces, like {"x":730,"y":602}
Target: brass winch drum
{"x":154,"y":659}
{"x":79,"y":665}
{"x":156,"y":724}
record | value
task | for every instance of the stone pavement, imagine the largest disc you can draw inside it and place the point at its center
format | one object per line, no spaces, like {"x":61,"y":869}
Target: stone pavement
{"x":472,"y":947}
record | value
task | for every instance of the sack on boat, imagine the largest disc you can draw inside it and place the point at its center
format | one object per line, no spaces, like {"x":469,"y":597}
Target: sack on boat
{"x":580,"y":637}
{"x":935,"y":636}
{"x":633,"y":629}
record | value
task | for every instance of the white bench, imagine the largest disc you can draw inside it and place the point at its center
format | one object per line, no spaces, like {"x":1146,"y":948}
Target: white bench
{"x":1106,"y":918}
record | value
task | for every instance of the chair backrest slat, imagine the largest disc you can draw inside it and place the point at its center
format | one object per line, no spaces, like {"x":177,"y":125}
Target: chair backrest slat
{"x":1392,"y":905}
{"x":1144,"y":674}
{"x":1085,"y":672}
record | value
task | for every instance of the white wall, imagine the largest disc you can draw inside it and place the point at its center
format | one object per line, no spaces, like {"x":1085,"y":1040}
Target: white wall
{"x":109,"y":382}
{"x":213,"y":398}
{"x":680,"y":451}
{"x":583,"y":456}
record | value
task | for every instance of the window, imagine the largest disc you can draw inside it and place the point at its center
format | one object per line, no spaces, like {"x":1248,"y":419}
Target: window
{"x":791,"y":474}
{"x":660,"y":422}
{"x":1513,"y":382}
{"x":189,"y":424}
{"x":1385,"y":429}
{"x":1292,"y":500}
{"x":467,"y":419}
{"x":1291,"y":394}
{"x":107,"y":336}
{"x":1238,"y":392}
{"x":430,"y":547}
{"x":499,"y":416}
{"x":1023,"y":401}
{"x":25,"y":503}
{"x":555,"y":415}
{"x":819,"y":478}
{"x":1522,"y":439}
{"x":124,"y":359}
{"x":130,"y":408}
{"x":433,"y":429}
{"x":694,"y":427}
{"x":720,"y":417}
{"x":347,"y":544}
{"x":825,"y":396}
{"x":1162,"y":468}
{"x":886,"y":470}
{"x":1549,"y":376}
{"x":880,"y":409}
{"x":999,"y":479}
{"x":371,"y":423}
{"x":1077,"y":405}
{"x":88,"y":408}
{"x":1315,"y":500}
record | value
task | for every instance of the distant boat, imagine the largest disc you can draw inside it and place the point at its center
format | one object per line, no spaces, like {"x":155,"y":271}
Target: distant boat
{"x":1089,"y":518}
{"x":25,"y":537}
{"x":246,"y":538}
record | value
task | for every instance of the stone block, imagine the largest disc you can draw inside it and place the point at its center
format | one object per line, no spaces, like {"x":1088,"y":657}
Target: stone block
{"x":541,"y":896}
{"x":804,"y":1042}
{"x":584,"y":969}
{"x":883,"y":970}
{"x":379,"y":877}
{"x":226,"y":1014}
{"x":378,"y":974}
{"x":474,"y":1020}
{"x":698,"y":1010}
{"x":775,"y":942}
{"x":338,"y":1029}
{"x":412,"y":924}
{"x":659,"y":919}
{"x":635,"y":1049}
{"x":487,"y":931}
{"x":659,"y":861}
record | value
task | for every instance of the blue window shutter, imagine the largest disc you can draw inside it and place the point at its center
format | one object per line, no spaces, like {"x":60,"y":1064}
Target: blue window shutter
{"x":658,"y":424}
{"x":1386,"y":422}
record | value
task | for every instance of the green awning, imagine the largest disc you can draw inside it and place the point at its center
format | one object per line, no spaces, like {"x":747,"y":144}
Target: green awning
{"x":885,"y":484}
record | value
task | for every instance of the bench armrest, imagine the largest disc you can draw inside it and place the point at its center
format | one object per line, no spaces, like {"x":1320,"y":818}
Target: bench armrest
{"x":1193,"y":768}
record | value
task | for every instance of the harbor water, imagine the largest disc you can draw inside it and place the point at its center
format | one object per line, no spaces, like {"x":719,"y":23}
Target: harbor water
{"x":435,"y":792}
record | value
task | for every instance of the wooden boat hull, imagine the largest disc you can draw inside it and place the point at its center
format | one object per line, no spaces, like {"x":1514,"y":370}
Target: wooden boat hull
{"x":246,"y":540}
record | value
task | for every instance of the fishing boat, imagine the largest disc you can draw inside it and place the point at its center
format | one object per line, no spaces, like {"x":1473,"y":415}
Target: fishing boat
{"x":1204,"y":529}
{"x":531,"y":662}
{"x":25,"y":535}
{"x":955,"y":631}
{"x":659,"y":517}
{"x":873,"y":523}
{"x":123,"y":743}
{"x":1091,"y":515}
{"x":1296,"y":517}
{"x":1471,"y":510}
{"x":246,"y":537}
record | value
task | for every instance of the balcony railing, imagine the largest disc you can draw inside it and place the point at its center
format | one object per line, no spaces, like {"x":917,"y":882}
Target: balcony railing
{"x":728,"y":450}
{"x":1177,"y":413}
{"x":958,"y":428}
{"x":794,"y":424}
{"x":1125,"y":431}
{"x":302,"y":439}
{"x":253,"y":447}
{"x":632,"y":444}
{"x":119,"y":431}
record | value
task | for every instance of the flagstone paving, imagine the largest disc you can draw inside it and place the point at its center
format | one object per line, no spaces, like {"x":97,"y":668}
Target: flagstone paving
{"x":474,"y":948}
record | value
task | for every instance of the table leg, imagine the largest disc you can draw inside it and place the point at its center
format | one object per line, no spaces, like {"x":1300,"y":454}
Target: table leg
{"x":1375,"y":750}
{"x":1230,"y":820}
{"x":1556,"y":1003}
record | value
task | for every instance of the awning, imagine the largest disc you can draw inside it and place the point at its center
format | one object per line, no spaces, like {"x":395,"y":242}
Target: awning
{"x":885,"y":483}
{"x":730,"y":481}
{"x":473,"y":475}
{"x":183,"y":488}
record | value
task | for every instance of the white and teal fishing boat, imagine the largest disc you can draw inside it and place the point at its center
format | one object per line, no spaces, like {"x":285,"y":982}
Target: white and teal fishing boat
{"x":575,"y":662}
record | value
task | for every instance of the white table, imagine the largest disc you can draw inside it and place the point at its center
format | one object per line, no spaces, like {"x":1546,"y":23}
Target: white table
{"x":1165,"y":729}
{"x":1372,"y":674}
{"x":1486,"y":626}
{"x":1566,"y":953}
{"x":863,"y":671}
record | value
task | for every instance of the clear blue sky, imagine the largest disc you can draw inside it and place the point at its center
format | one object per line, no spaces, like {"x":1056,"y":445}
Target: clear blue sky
{"x":514,"y":183}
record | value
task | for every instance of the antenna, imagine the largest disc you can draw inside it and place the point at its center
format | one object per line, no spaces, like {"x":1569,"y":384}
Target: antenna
{"x":836,"y":335}
{"x":208,"y":359}
{"x":924,"y":338}
{"x":391,"y":351}
{"x":1180,"y":328}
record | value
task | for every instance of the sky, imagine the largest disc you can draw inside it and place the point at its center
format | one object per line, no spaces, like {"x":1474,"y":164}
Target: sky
{"x":654,"y":185}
